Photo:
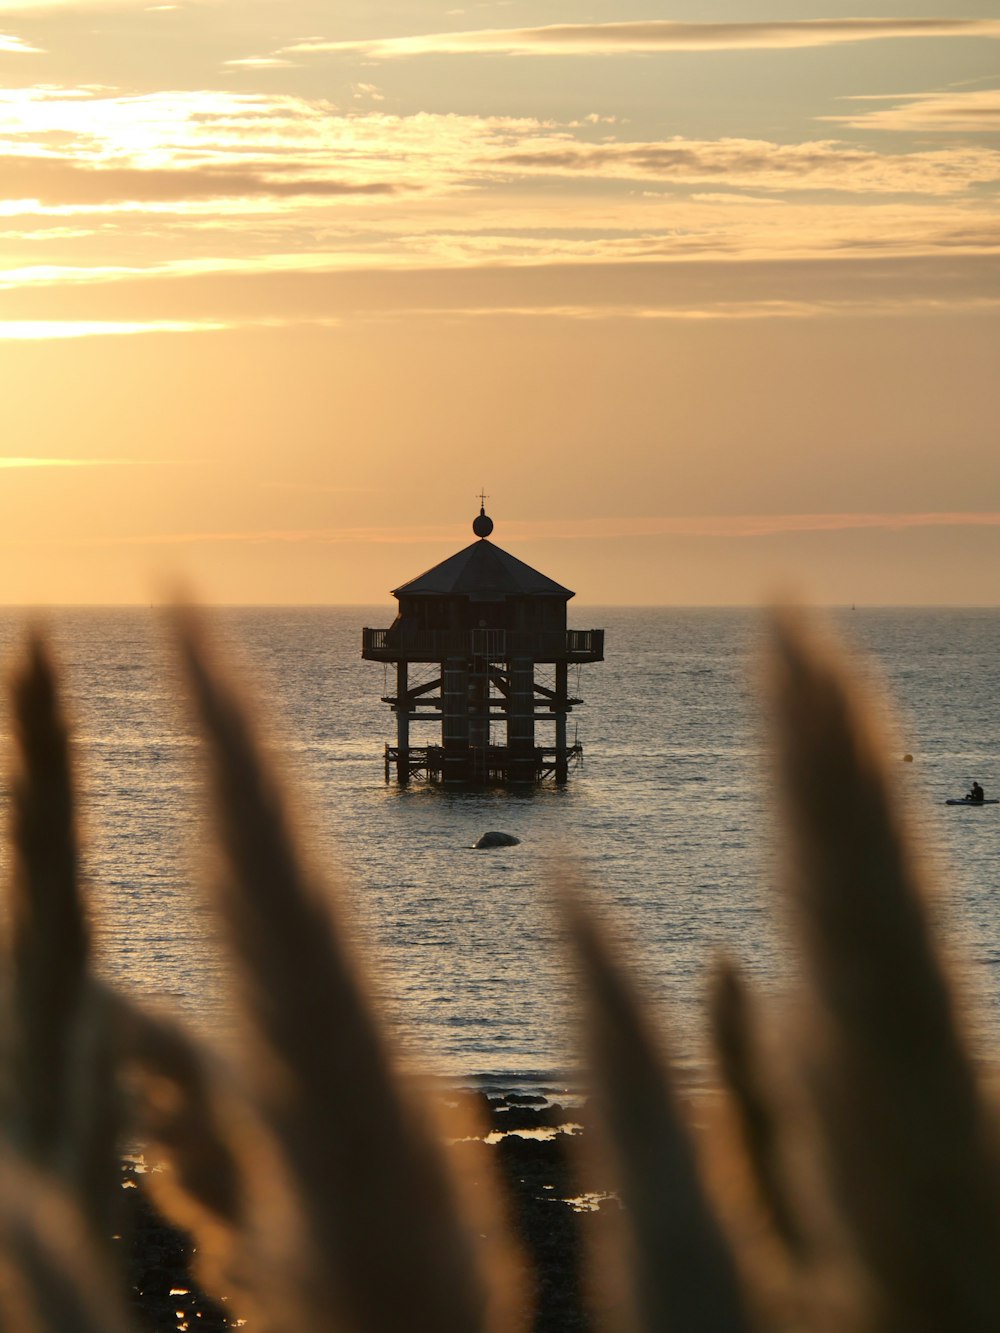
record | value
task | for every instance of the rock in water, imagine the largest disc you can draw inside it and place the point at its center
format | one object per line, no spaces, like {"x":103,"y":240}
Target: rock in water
{"x":496,"y":840}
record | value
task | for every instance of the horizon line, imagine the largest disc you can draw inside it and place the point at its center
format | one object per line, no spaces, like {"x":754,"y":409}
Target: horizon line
{"x":763,"y":605}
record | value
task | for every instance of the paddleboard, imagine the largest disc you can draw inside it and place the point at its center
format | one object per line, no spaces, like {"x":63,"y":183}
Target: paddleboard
{"x":965,"y":801}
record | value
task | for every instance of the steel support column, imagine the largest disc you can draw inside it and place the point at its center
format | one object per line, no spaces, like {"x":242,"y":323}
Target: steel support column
{"x":561,"y":709}
{"x":521,"y":720}
{"x":402,"y":724}
{"x":455,"y":720}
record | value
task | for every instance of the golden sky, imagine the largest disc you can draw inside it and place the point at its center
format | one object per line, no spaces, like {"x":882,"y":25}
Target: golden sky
{"x":706,"y":297}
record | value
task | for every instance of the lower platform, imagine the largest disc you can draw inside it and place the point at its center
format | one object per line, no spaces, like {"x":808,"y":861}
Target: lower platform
{"x":488,"y":766}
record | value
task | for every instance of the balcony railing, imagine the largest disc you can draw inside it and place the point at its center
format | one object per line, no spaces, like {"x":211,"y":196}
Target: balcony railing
{"x":410,"y":644}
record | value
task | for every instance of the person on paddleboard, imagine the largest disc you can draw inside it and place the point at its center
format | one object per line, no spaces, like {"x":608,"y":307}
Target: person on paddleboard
{"x":977,"y":793}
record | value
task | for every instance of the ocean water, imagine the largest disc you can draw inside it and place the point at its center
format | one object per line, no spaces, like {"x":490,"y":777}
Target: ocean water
{"x":668,"y":818}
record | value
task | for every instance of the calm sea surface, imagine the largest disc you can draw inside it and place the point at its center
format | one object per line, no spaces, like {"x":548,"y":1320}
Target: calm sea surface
{"x":667,"y":817}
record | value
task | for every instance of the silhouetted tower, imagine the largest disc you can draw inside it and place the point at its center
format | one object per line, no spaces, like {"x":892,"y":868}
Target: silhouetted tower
{"x":484,"y":620}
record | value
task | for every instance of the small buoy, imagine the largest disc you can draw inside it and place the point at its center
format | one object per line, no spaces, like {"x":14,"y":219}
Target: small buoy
{"x":907,"y":758}
{"x":495,"y":840}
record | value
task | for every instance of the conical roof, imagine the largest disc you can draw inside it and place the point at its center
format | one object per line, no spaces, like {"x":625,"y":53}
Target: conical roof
{"x":482,"y":572}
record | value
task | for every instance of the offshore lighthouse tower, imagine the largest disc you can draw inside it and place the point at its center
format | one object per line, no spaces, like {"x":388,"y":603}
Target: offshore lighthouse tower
{"x":485,"y":620}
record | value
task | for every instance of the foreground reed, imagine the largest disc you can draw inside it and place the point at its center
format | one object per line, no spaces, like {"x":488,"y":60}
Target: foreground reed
{"x":315,"y":1180}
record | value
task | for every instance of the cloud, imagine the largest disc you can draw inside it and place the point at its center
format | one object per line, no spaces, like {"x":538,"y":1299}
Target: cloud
{"x":706,"y":197}
{"x":205,"y":152}
{"x":260,"y":62}
{"x":55,"y":181}
{"x":367,"y":92}
{"x":31,"y":7}
{"x":739,"y":164}
{"x":602,"y":39}
{"x":80,"y":144}
{"x":45,"y":330}
{"x":701,"y":289}
{"x":308,"y":248}
{"x":16,"y":46}
{"x":972,"y":111}
{"x":718,"y":526}
{"x":315,"y":488}
{"x":285,"y":199}
{"x":746,"y":525}
{"x":11,"y":461}
{"x":852,"y":306}
{"x":759,"y":164}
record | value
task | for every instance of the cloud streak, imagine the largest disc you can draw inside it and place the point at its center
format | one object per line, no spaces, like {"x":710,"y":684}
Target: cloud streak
{"x":10,"y":461}
{"x":53,"y":182}
{"x":724,"y":526}
{"x":760,"y":165}
{"x":27,"y":8}
{"x":492,"y":153}
{"x":75,"y":145}
{"x":309,"y":290}
{"x":48,"y":330}
{"x":756,"y":525}
{"x":17,"y":46}
{"x":608,"y":39}
{"x":973,"y":111}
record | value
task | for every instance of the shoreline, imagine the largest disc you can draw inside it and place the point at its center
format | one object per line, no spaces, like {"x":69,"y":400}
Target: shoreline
{"x":534,"y":1141}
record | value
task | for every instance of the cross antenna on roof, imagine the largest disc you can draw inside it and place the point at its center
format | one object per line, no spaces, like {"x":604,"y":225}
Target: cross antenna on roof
{"x":482,"y":525}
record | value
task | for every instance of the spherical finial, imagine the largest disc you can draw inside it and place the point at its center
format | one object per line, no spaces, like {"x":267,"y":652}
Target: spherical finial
{"x":482,"y":525}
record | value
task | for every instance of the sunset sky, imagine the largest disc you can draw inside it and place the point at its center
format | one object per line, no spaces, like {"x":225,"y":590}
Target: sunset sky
{"x":706,"y":297}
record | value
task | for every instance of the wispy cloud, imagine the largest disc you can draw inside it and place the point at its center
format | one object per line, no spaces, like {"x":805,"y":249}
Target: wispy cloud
{"x":270,"y":293}
{"x":12,"y":461}
{"x":44,"y":330}
{"x":852,"y":306}
{"x":30,"y":7}
{"x":759,"y":164}
{"x":17,"y":46}
{"x":725,"y":526}
{"x":493,"y":152}
{"x":77,"y":145}
{"x":55,"y":181}
{"x":972,"y":111}
{"x":601,"y":39}
{"x":317,"y":488}
{"x":259,"y":62}
{"x":748,"y":525}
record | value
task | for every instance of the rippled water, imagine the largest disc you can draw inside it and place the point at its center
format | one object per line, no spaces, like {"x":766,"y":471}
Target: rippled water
{"x":667,"y":817}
